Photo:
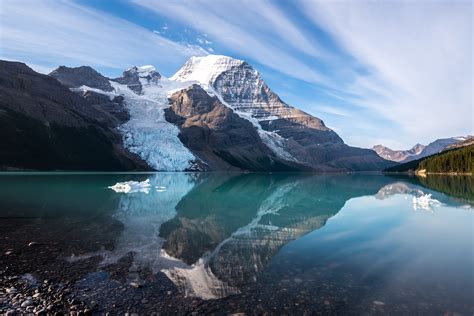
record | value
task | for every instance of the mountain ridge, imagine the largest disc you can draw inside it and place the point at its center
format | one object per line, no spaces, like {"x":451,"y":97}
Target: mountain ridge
{"x":297,"y":134}
{"x":418,"y":151}
{"x":457,"y":160}
{"x":143,"y":108}
{"x":48,"y":127}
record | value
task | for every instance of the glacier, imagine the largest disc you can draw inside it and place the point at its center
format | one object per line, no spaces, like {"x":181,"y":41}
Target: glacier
{"x":147,"y":133}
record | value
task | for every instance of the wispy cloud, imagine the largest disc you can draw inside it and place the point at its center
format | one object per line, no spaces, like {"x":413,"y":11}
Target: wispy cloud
{"x":62,"y":32}
{"x":249,"y":29}
{"x":332,"y":110}
{"x":398,"y":71}
{"x":420,"y":56}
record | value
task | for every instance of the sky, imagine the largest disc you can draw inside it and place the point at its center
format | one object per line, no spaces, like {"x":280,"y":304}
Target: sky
{"x":395,"y":73}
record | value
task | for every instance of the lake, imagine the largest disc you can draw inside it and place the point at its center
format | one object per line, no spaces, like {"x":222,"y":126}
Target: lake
{"x":236,"y":243}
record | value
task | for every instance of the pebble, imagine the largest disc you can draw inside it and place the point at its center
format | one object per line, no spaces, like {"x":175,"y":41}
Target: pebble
{"x":379,"y":303}
{"x":33,"y":243}
{"x":11,"y":290}
{"x":27,"y":303}
{"x":135,"y":284}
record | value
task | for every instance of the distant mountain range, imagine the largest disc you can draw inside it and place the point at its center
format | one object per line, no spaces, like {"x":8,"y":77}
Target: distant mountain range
{"x":458,"y":159}
{"x":419,"y":151}
{"x":215,"y":113}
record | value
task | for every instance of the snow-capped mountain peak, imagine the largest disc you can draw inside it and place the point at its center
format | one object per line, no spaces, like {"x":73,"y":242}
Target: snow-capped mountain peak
{"x":205,"y":69}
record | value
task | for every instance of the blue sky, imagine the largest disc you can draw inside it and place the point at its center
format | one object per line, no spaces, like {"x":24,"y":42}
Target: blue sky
{"x":395,"y":73}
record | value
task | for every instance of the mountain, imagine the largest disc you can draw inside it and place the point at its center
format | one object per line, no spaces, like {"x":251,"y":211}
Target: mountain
{"x":218,"y":136}
{"x":224,"y":117}
{"x":441,"y":144}
{"x":418,"y":151}
{"x":459,"y":160}
{"x":291,"y":133}
{"x":45,"y":126}
{"x":215,"y":113}
{"x":398,"y":155}
{"x":469,"y":140}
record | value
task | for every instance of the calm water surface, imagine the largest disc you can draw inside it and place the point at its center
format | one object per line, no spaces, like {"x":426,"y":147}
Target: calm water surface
{"x":252,"y":243}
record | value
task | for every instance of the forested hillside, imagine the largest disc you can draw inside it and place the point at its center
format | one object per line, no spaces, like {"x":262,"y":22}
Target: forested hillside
{"x":458,"y":160}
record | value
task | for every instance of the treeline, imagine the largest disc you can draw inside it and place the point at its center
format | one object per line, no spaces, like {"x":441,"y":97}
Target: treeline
{"x":458,"y":160}
{"x":460,"y":186}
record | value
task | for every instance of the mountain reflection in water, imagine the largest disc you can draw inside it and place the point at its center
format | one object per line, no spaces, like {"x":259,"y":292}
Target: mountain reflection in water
{"x":212,"y":235}
{"x":229,"y":227}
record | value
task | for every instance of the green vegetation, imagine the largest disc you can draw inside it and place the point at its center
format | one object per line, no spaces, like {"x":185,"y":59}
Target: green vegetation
{"x":458,"y":186}
{"x":405,"y":167}
{"x":458,"y":160}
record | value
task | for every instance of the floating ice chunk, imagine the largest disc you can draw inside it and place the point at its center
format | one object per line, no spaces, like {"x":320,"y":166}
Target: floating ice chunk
{"x":160,"y":188}
{"x":132,"y":186}
{"x":425,"y":202}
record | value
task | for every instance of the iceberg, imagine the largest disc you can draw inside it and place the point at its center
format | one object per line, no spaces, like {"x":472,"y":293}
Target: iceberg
{"x":160,"y":188}
{"x":132,"y":187}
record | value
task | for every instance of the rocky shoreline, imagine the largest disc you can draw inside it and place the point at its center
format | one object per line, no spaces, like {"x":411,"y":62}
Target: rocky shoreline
{"x":26,"y":295}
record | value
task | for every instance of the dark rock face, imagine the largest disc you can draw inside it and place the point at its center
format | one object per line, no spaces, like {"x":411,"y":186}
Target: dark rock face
{"x":131,"y":78}
{"x":322,"y":149}
{"x":45,"y":126}
{"x":81,"y":76}
{"x":112,"y":108}
{"x":218,"y":136}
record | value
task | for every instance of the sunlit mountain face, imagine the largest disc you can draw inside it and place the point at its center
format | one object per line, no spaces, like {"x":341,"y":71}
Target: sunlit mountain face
{"x":241,"y":241}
